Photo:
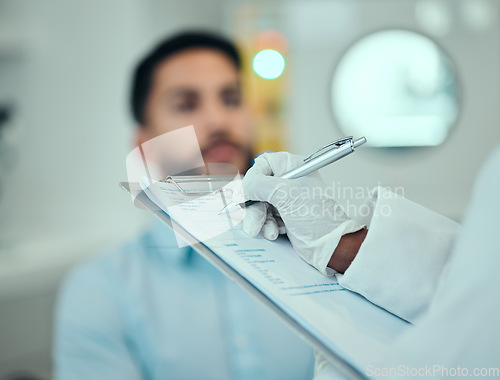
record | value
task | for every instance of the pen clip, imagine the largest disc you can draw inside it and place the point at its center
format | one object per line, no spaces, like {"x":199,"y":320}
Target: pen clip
{"x":333,"y":145}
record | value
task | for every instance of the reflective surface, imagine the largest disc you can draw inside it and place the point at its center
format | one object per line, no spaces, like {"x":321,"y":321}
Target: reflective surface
{"x":397,"y":88}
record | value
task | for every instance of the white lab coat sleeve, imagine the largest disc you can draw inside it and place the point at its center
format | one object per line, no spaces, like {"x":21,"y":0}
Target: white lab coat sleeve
{"x":90,"y":341}
{"x":459,"y":334}
{"x":401,"y":259}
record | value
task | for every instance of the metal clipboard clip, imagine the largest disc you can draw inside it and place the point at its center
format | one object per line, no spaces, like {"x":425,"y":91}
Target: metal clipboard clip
{"x":210,"y":180}
{"x":333,"y":145}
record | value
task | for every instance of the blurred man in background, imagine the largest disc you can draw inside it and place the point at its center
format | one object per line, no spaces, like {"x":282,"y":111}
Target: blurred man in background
{"x":151,"y":310}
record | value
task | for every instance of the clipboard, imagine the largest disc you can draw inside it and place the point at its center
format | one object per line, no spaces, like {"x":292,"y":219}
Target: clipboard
{"x":346,"y":365}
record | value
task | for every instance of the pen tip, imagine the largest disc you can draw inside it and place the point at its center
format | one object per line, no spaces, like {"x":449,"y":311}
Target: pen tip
{"x":224,"y":209}
{"x":230,"y":207}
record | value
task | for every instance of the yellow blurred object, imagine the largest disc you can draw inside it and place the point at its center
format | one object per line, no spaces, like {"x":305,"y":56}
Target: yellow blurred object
{"x":264,"y":97}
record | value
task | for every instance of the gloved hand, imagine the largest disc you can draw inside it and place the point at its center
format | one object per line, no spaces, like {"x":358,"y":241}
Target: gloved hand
{"x":313,"y":222}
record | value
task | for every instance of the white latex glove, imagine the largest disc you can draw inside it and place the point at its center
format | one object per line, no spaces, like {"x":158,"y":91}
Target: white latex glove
{"x":313,"y":222}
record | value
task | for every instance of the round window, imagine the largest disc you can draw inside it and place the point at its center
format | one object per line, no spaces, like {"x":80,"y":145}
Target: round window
{"x":398,"y":88}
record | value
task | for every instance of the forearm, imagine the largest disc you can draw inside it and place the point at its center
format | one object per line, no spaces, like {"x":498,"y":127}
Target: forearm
{"x":347,"y":250}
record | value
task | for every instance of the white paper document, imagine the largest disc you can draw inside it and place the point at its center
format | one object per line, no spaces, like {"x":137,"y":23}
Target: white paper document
{"x":349,"y":326}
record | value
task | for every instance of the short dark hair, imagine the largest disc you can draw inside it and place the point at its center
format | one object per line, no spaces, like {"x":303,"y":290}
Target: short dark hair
{"x":143,"y":73}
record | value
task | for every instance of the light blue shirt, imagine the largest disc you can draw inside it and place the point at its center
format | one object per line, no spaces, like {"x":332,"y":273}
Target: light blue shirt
{"x":151,"y":310}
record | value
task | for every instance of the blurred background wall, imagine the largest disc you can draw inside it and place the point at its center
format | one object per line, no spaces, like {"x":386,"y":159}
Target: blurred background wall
{"x":65,"y":68}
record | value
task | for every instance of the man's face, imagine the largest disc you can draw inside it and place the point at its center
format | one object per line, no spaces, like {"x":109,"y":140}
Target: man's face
{"x":200,"y":87}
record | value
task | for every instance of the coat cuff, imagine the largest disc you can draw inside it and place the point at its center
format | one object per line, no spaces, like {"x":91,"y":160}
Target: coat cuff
{"x":403,"y":255}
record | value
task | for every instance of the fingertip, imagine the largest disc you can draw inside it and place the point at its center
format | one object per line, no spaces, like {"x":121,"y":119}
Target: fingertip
{"x":250,"y":230}
{"x":271,"y":234}
{"x":270,"y":228}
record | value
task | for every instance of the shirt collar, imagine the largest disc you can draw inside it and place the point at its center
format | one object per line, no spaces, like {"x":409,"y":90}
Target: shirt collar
{"x":164,"y":238}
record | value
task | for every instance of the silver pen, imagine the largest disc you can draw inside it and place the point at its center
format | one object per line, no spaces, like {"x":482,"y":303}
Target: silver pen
{"x":328,"y":154}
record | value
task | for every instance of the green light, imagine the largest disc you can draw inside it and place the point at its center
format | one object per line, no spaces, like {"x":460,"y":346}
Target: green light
{"x":268,"y":64}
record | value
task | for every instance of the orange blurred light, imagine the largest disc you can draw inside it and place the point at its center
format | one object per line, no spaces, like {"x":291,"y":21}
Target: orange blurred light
{"x":271,"y":39}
